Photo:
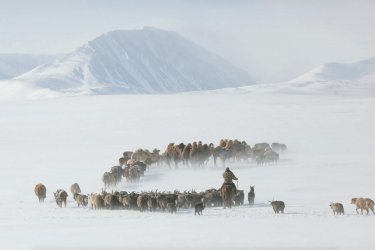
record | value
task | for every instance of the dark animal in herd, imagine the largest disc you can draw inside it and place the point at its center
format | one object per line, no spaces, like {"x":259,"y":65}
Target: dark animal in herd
{"x":239,"y":198}
{"x":337,"y":208}
{"x":278,"y":206}
{"x":171,"y":206}
{"x":198,"y":208}
{"x":60,"y":197}
{"x":251,"y":196}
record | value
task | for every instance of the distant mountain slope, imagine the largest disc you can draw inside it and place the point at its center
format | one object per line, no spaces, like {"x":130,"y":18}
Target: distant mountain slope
{"x":138,"y":61}
{"x":12,"y":65}
{"x":328,"y":79}
{"x":358,"y":71}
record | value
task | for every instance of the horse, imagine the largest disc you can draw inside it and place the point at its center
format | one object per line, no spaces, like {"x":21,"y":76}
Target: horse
{"x":227,"y":195}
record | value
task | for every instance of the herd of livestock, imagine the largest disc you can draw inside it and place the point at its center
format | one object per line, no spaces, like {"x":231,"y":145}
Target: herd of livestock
{"x":132,"y":165}
{"x":172,"y":201}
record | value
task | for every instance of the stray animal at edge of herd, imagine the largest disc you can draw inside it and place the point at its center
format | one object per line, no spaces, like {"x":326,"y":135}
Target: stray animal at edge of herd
{"x":198,"y":154}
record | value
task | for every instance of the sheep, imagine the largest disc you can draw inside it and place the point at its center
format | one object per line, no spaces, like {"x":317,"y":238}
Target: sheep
{"x":198,"y":208}
{"x":81,"y":199}
{"x":75,"y":189}
{"x":60,"y":197}
{"x":251,"y":196}
{"x":337,"y":208}
{"x":278,"y":206}
{"x":363,"y":204}
{"x":40,"y":191}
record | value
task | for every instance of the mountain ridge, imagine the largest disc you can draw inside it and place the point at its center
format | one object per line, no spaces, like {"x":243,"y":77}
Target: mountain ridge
{"x":137,"y":61}
{"x":15,"y":64}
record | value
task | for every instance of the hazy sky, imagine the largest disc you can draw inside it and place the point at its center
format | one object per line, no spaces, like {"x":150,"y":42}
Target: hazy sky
{"x":272,"y":40}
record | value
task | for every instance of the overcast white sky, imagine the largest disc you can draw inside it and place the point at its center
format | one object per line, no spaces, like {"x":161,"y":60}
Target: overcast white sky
{"x":272,"y":40}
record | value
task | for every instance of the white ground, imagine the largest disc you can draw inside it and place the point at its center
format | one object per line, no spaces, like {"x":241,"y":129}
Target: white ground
{"x":331,"y":143}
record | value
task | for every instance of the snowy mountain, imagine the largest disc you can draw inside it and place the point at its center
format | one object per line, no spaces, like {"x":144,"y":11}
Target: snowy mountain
{"x":358,"y":71}
{"x":329,"y":79}
{"x":12,"y":65}
{"x":138,"y":61}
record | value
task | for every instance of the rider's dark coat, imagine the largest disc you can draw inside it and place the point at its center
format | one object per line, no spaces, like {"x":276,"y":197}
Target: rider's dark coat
{"x":229,"y":176}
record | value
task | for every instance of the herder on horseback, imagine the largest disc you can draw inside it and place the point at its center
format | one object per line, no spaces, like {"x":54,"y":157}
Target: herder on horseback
{"x":228,"y":180}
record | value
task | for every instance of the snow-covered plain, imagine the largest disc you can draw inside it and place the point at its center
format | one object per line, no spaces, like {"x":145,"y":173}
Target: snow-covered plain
{"x":331,"y":141}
